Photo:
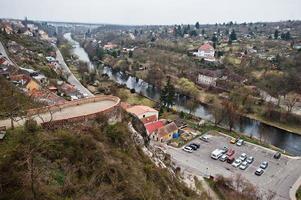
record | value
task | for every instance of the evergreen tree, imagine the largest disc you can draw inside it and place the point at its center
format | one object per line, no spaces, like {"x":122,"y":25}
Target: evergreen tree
{"x":167,"y":95}
{"x":276,"y":34}
{"x":233,"y":35}
{"x":197,"y":25}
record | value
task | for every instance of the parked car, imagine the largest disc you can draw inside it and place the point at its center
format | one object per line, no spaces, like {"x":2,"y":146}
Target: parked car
{"x":236,"y":163}
{"x":216,"y":154}
{"x":193,"y":147}
{"x":223,"y":158}
{"x":230,"y":159}
{"x":188,"y":149}
{"x":259,"y":172}
{"x":277,"y":155}
{"x":244,"y":165}
{"x":204,"y":138}
{"x":264,"y":165}
{"x":243,"y":157}
{"x":233,"y":140}
{"x":240,"y":142}
{"x":230,"y":152}
{"x":225,"y":149}
{"x":250,"y":159}
{"x":196,"y":144}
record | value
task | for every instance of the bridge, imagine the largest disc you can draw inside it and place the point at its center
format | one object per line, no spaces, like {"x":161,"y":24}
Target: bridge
{"x":73,"y":111}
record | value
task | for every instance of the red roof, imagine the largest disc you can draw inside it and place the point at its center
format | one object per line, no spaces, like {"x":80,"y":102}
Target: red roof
{"x":206,"y":47}
{"x":152,"y":127}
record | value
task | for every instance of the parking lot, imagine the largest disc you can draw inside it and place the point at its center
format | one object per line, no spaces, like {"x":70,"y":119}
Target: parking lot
{"x":279,"y":176}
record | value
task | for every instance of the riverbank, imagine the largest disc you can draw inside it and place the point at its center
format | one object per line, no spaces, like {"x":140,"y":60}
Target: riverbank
{"x":288,"y":128}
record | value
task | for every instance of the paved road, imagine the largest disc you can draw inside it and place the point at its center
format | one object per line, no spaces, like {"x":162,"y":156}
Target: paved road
{"x":3,"y":52}
{"x":65,"y":113}
{"x":71,"y":79}
{"x":279,"y":177}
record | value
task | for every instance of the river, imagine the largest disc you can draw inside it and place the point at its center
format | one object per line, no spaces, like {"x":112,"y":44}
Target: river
{"x":280,"y":138}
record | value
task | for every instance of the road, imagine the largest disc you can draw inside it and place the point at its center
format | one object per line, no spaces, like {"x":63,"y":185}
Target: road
{"x":3,"y":52}
{"x":71,"y":78}
{"x":65,"y":113}
{"x":279,"y":177}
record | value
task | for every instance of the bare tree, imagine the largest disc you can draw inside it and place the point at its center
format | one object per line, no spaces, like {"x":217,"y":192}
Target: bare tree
{"x":291,"y":100}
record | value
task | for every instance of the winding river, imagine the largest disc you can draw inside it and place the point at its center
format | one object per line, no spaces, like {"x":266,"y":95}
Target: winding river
{"x":282,"y":139}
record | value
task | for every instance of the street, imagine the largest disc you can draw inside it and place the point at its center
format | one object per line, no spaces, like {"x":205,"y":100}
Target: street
{"x":71,"y":78}
{"x":279,"y":177}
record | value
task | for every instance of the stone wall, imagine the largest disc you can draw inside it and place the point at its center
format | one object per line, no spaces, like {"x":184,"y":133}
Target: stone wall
{"x":113,"y":114}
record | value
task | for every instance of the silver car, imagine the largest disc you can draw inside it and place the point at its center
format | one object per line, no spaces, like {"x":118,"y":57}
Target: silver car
{"x":244,"y":165}
{"x":236,"y":163}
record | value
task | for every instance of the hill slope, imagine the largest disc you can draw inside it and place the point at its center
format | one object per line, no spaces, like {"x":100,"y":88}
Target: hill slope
{"x":92,"y":161}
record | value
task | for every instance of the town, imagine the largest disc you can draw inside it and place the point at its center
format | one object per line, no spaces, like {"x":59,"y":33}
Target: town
{"x":212,"y":111}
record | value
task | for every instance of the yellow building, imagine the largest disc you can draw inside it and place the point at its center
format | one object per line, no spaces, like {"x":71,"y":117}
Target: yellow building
{"x":32,"y":85}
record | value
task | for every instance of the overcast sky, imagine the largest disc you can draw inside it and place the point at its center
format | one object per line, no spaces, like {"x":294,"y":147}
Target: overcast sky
{"x":152,"y":11}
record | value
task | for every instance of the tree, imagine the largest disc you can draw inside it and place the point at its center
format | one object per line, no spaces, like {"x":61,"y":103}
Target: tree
{"x":276,"y":34}
{"x":197,"y":25}
{"x":291,"y":100}
{"x":13,"y":104}
{"x":192,"y":105}
{"x":231,"y":113}
{"x":232,"y":36}
{"x":167,"y":95}
{"x":131,"y":54}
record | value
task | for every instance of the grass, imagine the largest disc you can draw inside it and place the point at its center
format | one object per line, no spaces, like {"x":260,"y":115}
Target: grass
{"x":134,"y":99}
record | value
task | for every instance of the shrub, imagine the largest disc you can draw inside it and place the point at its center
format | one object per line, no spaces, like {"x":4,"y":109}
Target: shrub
{"x":31,"y":126}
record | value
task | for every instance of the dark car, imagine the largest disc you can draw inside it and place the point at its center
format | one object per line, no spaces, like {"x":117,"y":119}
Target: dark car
{"x":277,"y":155}
{"x":196,"y":144}
{"x":230,"y":159}
{"x":193,"y":147}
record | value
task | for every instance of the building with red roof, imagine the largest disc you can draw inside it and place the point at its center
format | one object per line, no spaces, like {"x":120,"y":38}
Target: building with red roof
{"x":153,"y":127}
{"x":206,"y":51}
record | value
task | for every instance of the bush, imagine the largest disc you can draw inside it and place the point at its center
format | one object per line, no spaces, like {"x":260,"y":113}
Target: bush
{"x":31,"y":126}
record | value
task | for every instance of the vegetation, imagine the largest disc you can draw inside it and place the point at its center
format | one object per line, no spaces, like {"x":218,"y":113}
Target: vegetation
{"x":96,"y":161}
{"x":13,"y":103}
{"x":298,"y":194}
{"x":236,"y":188}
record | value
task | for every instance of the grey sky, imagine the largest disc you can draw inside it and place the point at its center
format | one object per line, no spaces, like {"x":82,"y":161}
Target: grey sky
{"x":152,"y":11}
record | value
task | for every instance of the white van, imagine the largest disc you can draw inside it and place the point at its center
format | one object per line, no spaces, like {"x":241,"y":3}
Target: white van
{"x":216,"y":154}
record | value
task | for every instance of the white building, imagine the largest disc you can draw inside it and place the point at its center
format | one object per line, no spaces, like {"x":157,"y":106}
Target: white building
{"x":206,"y":51}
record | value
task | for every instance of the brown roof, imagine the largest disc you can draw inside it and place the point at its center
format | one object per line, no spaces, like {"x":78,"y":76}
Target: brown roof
{"x":138,"y":110}
{"x":169,"y":128}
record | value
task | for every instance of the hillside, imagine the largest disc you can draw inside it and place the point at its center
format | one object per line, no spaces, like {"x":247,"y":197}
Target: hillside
{"x":91,"y":161}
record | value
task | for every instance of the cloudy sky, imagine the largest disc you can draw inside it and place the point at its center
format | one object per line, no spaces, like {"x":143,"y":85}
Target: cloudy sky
{"x":152,"y":11}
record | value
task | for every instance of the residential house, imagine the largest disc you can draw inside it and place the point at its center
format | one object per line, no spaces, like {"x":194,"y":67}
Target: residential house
{"x":167,"y":132}
{"x":209,"y":77}
{"x":206,"y":51}
{"x":68,"y":89}
{"x":33,"y":85}
{"x":144,"y":113}
{"x":110,"y":46}
{"x":41,"y":78}
{"x":153,"y":127}
{"x":20,"y":79}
